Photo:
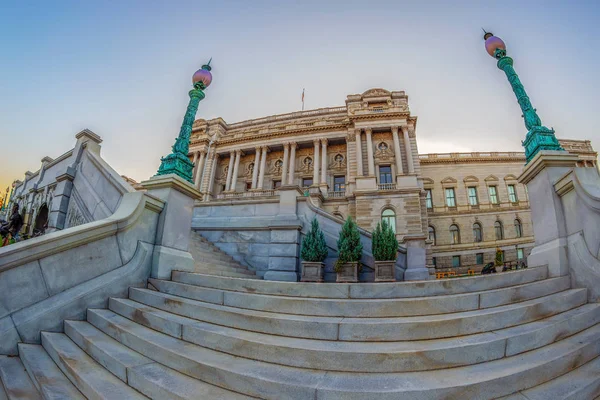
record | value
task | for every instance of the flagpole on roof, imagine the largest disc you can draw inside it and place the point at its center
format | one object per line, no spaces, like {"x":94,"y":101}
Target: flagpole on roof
{"x":302,"y":99}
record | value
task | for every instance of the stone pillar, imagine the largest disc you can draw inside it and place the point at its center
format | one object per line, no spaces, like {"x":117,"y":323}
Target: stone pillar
{"x":292,"y":163}
{"x":236,"y":166}
{"x":195,"y":170}
{"x":324,"y":165}
{"x":409,"y":155}
{"x":174,"y":224}
{"x":370,"y":158}
{"x":397,"y":153}
{"x":286,"y":160}
{"x":263,"y":166}
{"x":316,"y":163}
{"x":416,"y":259}
{"x":213,"y":171}
{"x":256,"y":167}
{"x":547,"y":215}
{"x":359,"y":160}
{"x":230,"y":170}
{"x":200,"y":169}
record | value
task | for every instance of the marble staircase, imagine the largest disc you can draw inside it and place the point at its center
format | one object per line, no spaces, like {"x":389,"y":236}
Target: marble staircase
{"x":210,"y":260}
{"x":517,"y":336}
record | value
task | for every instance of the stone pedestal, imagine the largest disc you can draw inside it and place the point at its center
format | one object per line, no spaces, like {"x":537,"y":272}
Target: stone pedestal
{"x":174,"y":224}
{"x":60,"y":204}
{"x":366,"y":183}
{"x":549,"y":225}
{"x":416,"y":259}
{"x":406,"y":181}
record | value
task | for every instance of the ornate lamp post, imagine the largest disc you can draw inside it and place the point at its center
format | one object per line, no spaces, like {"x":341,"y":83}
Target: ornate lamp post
{"x":538,"y":136}
{"x":178,"y":162}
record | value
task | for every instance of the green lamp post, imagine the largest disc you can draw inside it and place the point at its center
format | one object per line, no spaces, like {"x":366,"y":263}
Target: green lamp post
{"x":538,"y":136}
{"x":178,"y":162}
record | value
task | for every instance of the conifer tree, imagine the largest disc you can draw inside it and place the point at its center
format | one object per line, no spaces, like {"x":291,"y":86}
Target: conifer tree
{"x":499,"y":259}
{"x":385,"y":245}
{"x":314,"y":248}
{"x":349,"y":245}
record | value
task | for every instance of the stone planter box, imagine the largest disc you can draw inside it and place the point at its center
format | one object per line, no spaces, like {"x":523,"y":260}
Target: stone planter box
{"x":349,"y":273}
{"x":312,"y":271}
{"x":384,"y":271}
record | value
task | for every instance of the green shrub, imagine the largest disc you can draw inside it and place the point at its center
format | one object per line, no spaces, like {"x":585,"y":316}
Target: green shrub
{"x":314,"y":248}
{"x":349,"y":245}
{"x":385,"y":245}
{"x":499,"y":259}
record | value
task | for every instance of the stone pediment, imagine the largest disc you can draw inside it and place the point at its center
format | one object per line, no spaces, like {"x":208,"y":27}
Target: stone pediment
{"x":471,"y":179}
{"x":448,"y":180}
{"x":491,"y":178}
{"x":428,"y":181}
{"x":377,"y":92}
{"x":510,"y":177}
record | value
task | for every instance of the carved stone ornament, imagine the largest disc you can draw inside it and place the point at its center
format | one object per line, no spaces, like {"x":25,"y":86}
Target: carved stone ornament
{"x":307,"y":164}
{"x":338,"y":163}
{"x":74,"y":216}
{"x":224,"y":173}
{"x":277,"y":166}
{"x":383,"y":151}
{"x":249,"y":169}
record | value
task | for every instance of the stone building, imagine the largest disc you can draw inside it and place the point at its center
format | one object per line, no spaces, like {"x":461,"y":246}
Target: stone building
{"x":361,"y":160}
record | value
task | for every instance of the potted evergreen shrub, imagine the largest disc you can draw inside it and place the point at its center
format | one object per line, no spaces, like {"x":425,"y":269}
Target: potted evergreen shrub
{"x":313,"y":253}
{"x":385,"y":252}
{"x":350,"y":252}
{"x":498,"y":261}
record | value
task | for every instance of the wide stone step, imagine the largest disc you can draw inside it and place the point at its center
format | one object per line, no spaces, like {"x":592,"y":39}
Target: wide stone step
{"x":365,"y":329}
{"x":159,"y":382}
{"x":579,"y":384}
{"x":106,"y":351}
{"x":362,"y":357}
{"x":210,"y":268}
{"x":367,"y":290}
{"x":16,"y":381}
{"x":87,"y":375}
{"x":229,"y":274}
{"x":214,"y":254}
{"x":271,"y":381}
{"x":212,"y":263}
{"x":369,"y":308}
{"x":45,"y":374}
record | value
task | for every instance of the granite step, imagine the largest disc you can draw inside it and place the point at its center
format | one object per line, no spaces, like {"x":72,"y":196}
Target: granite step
{"x":17,"y":383}
{"x":207,"y":262}
{"x":370,"y":308}
{"x":91,"y":378}
{"x":159,"y":382}
{"x":401,"y":356}
{"x":365,"y":329}
{"x":210,"y":268}
{"x":45,"y":374}
{"x":579,"y":384}
{"x":367,"y":290}
{"x":106,"y":351}
{"x":214,"y":254}
{"x":271,"y":381}
{"x":228,"y":274}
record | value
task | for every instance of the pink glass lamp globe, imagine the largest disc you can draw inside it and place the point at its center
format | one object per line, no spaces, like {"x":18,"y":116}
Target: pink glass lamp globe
{"x":203,"y":75}
{"x":492,"y":43}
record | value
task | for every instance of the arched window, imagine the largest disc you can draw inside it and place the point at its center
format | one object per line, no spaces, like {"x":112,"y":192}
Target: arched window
{"x":477,"y":233}
{"x":454,"y":234}
{"x":338,"y":214}
{"x":431,"y":230}
{"x":389,"y":216}
{"x":518,"y":228}
{"x":499,"y":230}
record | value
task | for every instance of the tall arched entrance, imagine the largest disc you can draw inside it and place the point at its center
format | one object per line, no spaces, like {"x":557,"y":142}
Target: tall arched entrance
{"x":41,"y":220}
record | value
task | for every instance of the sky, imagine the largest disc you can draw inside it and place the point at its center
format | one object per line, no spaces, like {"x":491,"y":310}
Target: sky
{"x":123,"y":69}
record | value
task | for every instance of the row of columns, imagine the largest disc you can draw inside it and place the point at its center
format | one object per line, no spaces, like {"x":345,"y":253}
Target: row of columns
{"x":320,"y":156}
{"x":371,"y":158}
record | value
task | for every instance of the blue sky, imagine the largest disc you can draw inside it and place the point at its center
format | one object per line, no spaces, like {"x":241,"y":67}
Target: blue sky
{"x":123,"y":69}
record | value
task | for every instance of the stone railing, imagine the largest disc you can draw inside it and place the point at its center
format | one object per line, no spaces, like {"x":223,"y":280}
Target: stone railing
{"x":280,"y":117}
{"x":336,"y":194}
{"x":246,"y":195}
{"x":473,"y":155}
{"x":386,"y":186}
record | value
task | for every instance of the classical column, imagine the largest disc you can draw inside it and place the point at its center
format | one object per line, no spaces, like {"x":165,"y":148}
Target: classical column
{"x":213,"y":169}
{"x":229,"y":170}
{"x":238,"y":155}
{"x":409,"y":155}
{"x":263,"y":166}
{"x":292,"y":163}
{"x":199,"y":169}
{"x":370,"y":157}
{"x":256,"y":167}
{"x":359,"y":160}
{"x":324,"y":162}
{"x":316,"y":163}
{"x":195,"y":162}
{"x":398,"y":155}
{"x":286,"y":160}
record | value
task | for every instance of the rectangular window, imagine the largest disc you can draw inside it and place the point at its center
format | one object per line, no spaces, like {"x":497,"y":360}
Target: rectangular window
{"x":429,"y":199}
{"x":472,"y":196}
{"x":276,"y":184}
{"x":520,"y":254}
{"x":339,"y":183}
{"x":450,"y":199}
{"x":455,"y":261}
{"x":493,"y":195}
{"x":479,"y":258}
{"x":306,"y":182}
{"x":248,"y":186}
{"x":433,"y":261}
{"x":512,"y":194}
{"x":385,"y":174}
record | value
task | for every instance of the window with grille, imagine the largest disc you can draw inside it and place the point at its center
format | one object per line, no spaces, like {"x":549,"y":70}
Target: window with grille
{"x":493,"y":194}
{"x":499,"y":230}
{"x":455,"y":261}
{"x":429,"y":199}
{"x":512,"y":194}
{"x":431,"y":230}
{"x":385,"y":174}
{"x":454,"y":234}
{"x":389,"y":216}
{"x":450,"y":198}
{"x":306,"y":182}
{"x":477,"y":235}
{"x":518,"y":228}
{"x":479,"y":258}
{"x":339,"y":183}
{"x":473,"y":196}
